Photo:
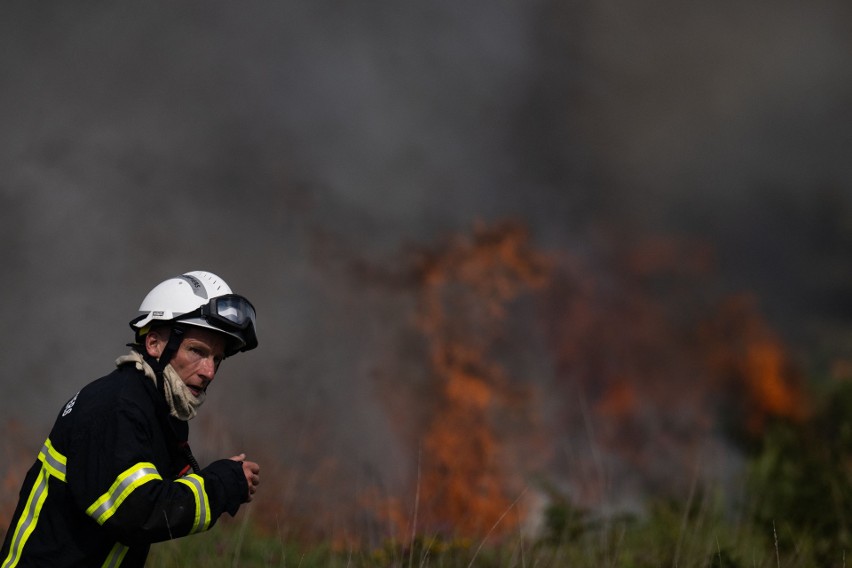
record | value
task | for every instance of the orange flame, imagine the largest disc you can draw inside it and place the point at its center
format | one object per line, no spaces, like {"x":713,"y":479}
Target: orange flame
{"x":464,"y":291}
{"x":631,"y":339}
{"x":755,"y":367}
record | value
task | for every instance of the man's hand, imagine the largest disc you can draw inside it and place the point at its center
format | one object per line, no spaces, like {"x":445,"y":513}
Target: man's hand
{"x":252,"y":473}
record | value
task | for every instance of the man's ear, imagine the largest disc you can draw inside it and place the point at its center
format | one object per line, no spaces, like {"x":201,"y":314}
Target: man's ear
{"x":155,"y":342}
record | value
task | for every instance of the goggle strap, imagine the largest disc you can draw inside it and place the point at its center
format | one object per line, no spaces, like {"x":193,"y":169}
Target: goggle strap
{"x":175,"y":339}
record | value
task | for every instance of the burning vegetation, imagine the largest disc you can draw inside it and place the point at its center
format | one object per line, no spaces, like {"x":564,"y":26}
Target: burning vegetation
{"x":614,"y":376}
{"x":464,"y":290}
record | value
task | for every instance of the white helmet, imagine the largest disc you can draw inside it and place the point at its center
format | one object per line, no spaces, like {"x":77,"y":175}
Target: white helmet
{"x":200,"y":299}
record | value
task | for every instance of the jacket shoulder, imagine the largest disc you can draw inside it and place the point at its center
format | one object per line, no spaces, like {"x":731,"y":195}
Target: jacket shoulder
{"x":125,"y":390}
{"x":124,"y":381}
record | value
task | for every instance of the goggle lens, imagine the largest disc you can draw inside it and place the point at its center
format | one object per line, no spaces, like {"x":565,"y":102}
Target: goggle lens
{"x":233,"y":308}
{"x":233,"y":313}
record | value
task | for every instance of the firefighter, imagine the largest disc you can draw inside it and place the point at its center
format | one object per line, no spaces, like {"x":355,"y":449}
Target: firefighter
{"x":116,"y":473}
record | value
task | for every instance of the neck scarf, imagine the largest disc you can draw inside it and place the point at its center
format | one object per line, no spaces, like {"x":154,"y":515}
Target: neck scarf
{"x":183,"y":405}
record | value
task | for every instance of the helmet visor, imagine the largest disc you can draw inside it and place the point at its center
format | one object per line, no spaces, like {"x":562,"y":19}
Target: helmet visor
{"x":234,"y":314}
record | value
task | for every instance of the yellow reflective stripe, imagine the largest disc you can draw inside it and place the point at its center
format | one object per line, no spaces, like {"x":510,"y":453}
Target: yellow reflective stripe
{"x":107,"y":504}
{"x":202,"y":504}
{"x":29,"y":518}
{"x":53,"y":460}
{"x":115,"y":556}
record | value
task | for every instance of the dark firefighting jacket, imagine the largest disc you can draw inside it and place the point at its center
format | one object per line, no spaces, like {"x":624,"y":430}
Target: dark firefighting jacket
{"x":114,"y":477}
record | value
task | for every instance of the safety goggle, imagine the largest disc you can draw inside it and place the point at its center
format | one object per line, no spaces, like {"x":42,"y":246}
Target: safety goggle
{"x":232,"y":313}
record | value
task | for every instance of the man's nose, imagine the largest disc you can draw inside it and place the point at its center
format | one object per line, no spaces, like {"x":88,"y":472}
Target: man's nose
{"x":208,"y":369}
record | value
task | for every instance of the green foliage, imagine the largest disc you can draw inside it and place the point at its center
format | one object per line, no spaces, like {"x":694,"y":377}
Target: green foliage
{"x":670,"y":535}
{"x":563,"y":522}
{"x":799,"y":480}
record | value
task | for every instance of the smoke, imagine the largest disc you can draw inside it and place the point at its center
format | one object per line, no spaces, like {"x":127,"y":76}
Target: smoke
{"x":274,"y":143}
{"x":721,"y":121}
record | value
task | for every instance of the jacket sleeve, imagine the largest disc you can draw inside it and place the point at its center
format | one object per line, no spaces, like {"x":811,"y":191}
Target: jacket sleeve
{"x":113,"y":478}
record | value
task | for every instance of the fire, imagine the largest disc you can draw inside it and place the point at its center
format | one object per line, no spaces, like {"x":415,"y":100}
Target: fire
{"x":644,"y":356}
{"x":464,"y":290}
{"x":764,"y":372}
{"x":754,"y":367}
{"x":642,"y":342}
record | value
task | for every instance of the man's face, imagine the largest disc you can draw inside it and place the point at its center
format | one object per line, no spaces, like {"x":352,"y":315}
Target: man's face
{"x":197,"y":358}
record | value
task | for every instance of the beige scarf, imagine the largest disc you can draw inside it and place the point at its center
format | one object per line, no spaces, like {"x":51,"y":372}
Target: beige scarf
{"x":182,"y":403}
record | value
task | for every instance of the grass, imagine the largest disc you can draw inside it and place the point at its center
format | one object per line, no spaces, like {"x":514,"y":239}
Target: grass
{"x":667,"y":537}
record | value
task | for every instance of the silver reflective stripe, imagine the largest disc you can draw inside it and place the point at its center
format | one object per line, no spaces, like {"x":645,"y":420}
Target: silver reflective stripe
{"x":115,"y":556}
{"x":52,"y":465}
{"x":29,"y":517}
{"x":126,"y":482}
{"x":53,"y":460}
{"x":202,"y":514}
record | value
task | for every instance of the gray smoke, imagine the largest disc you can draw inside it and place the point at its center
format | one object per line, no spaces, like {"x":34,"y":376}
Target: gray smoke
{"x":273,"y":142}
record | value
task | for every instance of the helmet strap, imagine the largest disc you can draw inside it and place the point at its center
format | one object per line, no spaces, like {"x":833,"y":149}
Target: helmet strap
{"x":175,"y":339}
{"x":159,"y":364}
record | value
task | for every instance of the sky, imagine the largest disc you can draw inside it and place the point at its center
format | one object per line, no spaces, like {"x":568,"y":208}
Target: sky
{"x":269,"y":142}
